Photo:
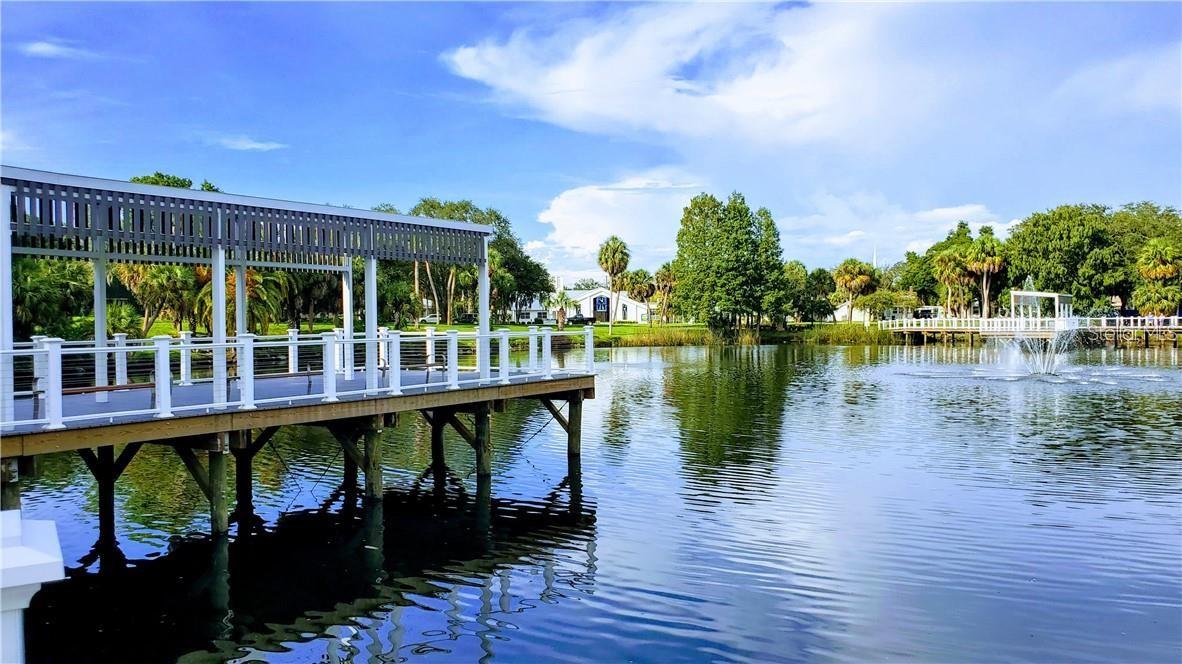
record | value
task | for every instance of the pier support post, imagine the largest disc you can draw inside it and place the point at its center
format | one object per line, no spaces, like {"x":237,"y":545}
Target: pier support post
{"x":572,"y":424}
{"x":368,"y":457}
{"x":373,"y":458}
{"x":438,"y":456}
{"x":10,"y":487}
{"x":350,"y":474}
{"x":574,"y":433}
{"x":483,"y":442}
{"x":106,"y":469}
{"x":244,"y":446}
{"x":219,"y":515}
{"x":243,"y":476}
{"x":212,"y":482}
{"x":106,"y":495}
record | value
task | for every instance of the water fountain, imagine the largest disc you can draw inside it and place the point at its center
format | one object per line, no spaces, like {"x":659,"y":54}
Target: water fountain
{"x":1040,"y":342}
{"x":1039,"y":355}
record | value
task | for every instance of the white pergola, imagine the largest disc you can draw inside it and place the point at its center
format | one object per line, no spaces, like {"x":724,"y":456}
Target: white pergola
{"x":103,"y":221}
{"x":1028,"y":304}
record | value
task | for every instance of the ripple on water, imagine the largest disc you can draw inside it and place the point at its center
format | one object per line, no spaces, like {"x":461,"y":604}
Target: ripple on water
{"x":781,"y":503}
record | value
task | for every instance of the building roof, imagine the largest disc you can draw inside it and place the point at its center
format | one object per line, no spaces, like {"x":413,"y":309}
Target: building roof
{"x":78,"y":216}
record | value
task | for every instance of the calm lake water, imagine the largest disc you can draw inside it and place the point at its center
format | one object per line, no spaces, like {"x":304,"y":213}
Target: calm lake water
{"x":780,"y":503}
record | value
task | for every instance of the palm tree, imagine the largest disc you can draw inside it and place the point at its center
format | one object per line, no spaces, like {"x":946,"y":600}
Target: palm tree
{"x":1157,"y":298}
{"x":853,"y":277}
{"x":159,"y":289}
{"x":265,"y":294}
{"x":950,"y":270}
{"x":1160,"y":266}
{"x":559,"y":302}
{"x":984,"y":258}
{"x":664,"y":281}
{"x":640,"y":287}
{"x":1159,"y":260}
{"x":613,"y":258}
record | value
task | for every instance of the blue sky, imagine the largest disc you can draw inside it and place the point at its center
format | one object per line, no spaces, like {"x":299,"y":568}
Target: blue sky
{"x":861,"y":127}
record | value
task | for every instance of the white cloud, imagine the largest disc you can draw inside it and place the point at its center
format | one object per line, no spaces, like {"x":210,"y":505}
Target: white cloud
{"x":1146,"y":80}
{"x":862,"y":224}
{"x":643,"y":209}
{"x":246,"y":143}
{"x":55,"y":49}
{"x":757,"y":72}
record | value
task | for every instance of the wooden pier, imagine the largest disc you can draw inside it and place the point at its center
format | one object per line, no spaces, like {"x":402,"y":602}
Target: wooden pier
{"x":228,"y":393}
{"x":108,"y":434}
{"x":1123,"y":330}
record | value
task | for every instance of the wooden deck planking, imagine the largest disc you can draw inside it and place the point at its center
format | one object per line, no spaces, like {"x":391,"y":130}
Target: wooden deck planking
{"x":29,"y":440}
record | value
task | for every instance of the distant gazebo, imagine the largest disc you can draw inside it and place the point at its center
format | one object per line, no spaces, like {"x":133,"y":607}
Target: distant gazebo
{"x":1029,"y":304}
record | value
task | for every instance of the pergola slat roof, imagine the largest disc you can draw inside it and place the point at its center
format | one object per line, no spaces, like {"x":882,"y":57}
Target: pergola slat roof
{"x":73,"y":216}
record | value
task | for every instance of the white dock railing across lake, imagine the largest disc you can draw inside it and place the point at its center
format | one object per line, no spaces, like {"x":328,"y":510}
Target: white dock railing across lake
{"x":298,"y":368}
{"x":1005,"y":324}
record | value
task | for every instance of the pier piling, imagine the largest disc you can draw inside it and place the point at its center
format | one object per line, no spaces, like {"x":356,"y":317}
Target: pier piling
{"x":483,"y":442}
{"x":373,"y":458}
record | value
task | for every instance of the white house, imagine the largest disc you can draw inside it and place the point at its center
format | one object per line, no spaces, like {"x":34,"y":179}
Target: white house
{"x":592,"y":303}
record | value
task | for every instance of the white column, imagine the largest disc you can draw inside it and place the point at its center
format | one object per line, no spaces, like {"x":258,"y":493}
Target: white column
{"x":293,"y":350}
{"x":40,"y":364}
{"x":394,"y":374}
{"x":240,"y":303}
{"x":163,"y":376}
{"x":533,"y":348}
{"x":347,"y":314}
{"x":546,"y":359}
{"x":589,"y":347}
{"x":218,"y":280}
{"x":339,"y":364}
{"x":7,"y":387}
{"x":383,"y":352}
{"x":430,"y":345}
{"x":186,"y":357}
{"x":371,"y":324}
{"x":120,"y":358}
{"x":246,"y":370}
{"x":482,"y":341}
{"x":53,"y":387}
{"x":503,"y":347}
{"x":328,"y":372}
{"x":29,"y":556}
{"x":100,"y":328}
{"x":453,"y":357}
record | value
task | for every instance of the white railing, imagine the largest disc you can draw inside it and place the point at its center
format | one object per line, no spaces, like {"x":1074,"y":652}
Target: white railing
{"x":395,"y":363}
{"x":1032,"y":324}
{"x":919,"y":324}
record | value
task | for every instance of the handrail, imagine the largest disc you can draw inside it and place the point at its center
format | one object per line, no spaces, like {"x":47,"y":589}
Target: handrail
{"x":1003,"y":324}
{"x":236,"y":369}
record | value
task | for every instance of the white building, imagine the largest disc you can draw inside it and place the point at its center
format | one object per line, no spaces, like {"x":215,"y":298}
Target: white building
{"x":592,"y":303}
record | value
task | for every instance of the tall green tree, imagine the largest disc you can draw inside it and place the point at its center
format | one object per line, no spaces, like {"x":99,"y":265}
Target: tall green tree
{"x":914,"y":273}
{"x":664,"y":282}
{"x":613,"y":260}
{"x":47,"y":293}
{"x":819,"y":286}
{"x":853,"y":278}
{"x":720,"y":265}
{"x":985,"y":258}
{"x":1159,"y":266}
{"x":1071,"y":249}
{"x":641,"y":288}
{"x":794,"y":281}
{"x":771,"y":289}
{"x":953,"y":274}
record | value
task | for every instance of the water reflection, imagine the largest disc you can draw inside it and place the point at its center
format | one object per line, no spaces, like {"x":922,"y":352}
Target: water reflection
{"x":772,"y":503}
{"x":313,"y":572}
